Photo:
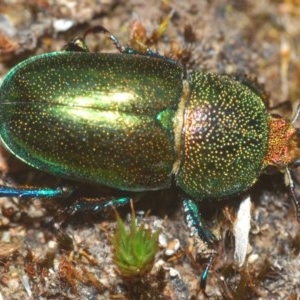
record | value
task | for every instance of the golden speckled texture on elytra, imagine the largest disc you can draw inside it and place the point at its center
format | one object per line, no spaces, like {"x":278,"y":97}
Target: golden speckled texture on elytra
{"x":104,"y":118}
{"x":225,"y":137}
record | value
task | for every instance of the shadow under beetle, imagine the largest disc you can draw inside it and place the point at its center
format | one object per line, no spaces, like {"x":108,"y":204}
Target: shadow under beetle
{"x":136,"y":122}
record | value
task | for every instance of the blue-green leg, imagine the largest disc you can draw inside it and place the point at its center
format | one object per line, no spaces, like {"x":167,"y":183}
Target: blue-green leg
{"x":98,"y":206}
{"x":126,"y":49}
{"x":61,"y":192}
{"x":198,"y":227}
{"x":28,"y":192}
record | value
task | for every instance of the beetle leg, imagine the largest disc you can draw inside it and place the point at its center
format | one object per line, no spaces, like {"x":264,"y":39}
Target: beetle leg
{"x":98,"y":206}
{"x":104,"y":31}
{"x":296,"y":115}
{"x":197,"y":226}
{"x":27,"y":192}
{"x":126,"y":49}
{"x":293,"y":195}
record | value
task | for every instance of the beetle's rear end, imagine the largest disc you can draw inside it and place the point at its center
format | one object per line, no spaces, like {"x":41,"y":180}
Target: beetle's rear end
{"x":102,"y":118}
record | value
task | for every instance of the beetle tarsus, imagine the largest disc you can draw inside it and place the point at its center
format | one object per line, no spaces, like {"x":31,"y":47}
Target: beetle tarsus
{"x":204,"y":274}
{"x":125,"y":49}
{"x":27,"y":192}
{"x":84,"y":206}
{"x":296,"y":202}
{"x":296,"y":115}
{"x":198,"y":227}
{"x":105,"y":32}
{"x":292,"y":193}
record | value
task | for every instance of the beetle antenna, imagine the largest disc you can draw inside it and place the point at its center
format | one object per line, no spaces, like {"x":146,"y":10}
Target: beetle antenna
{"x":296,"y":115}
{"x":293,"y":195}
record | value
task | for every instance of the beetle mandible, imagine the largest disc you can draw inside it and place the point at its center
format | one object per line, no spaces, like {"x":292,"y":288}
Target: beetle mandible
{"x":138,"y":122}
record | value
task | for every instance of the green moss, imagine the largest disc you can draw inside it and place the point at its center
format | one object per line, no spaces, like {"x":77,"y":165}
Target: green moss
{"x":134,"y":249}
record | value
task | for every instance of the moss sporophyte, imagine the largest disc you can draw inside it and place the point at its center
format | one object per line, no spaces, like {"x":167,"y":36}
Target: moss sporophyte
{"x":137,"y":122}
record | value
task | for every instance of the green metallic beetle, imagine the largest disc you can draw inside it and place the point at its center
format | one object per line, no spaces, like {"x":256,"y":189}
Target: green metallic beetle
{"x":137,"y":122}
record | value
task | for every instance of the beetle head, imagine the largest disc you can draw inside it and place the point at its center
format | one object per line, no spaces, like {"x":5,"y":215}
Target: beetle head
{"x":283,"y":151}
